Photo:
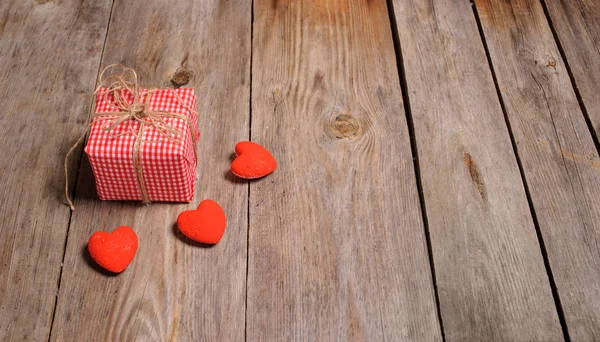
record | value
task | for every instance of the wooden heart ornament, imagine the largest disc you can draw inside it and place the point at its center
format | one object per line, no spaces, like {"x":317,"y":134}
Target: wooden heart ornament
{"x":253,"y":161}
{"x":113,"y":251}
{"x":205,"y":224}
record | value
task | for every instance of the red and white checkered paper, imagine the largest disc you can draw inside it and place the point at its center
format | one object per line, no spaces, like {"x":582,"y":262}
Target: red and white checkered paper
{"x":169,"y":168}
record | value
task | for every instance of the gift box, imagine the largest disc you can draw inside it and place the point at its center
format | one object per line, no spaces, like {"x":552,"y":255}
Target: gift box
{"x":142,"y":144}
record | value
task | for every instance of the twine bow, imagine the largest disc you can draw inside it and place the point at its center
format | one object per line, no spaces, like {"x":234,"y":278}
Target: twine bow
{"x":118,"y":86}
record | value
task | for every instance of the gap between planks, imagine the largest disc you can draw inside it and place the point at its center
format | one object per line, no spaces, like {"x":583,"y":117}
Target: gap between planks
{"x":586,"y":115}
{"x":415,"y":154}
{"x":556,"y":297}
{"x":249,"y":139}
{"x":76,"y":177}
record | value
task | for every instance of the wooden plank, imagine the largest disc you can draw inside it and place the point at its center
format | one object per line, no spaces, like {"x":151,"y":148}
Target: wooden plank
{"x":577,"y":26}
{"x":174,"y":289}
{"x":49,"y":56}
{"x":490,"y":272}
{"x":557,"y":152}
{"x":337,"y":243}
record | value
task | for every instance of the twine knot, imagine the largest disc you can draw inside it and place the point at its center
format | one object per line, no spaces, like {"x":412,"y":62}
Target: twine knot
{"x":137,"y":111}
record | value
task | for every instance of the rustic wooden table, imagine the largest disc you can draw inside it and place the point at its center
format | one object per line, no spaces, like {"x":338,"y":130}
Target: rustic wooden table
{"x":438,"y":177}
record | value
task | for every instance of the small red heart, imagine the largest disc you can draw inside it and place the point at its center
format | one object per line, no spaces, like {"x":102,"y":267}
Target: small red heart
{"x":113,"y":251}
{"x":253,"y":161}
{"x":205,"y":224}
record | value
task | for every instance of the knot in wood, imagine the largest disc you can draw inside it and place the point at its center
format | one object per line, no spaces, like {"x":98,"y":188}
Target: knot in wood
{"x":345,"y":126}
{"x":475,"y":175}
{"x":181,"y":77}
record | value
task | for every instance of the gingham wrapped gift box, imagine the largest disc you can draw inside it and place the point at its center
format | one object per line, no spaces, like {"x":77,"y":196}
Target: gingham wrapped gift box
{"x":158,"y":168}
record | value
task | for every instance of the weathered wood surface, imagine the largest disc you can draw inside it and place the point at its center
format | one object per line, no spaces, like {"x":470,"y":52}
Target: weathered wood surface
{"x":174,"y":289}
{"x":49,"y":56}
{"x":337,"y":243}
{"x":577,"y":25}
{"x":559,"y":159}
{"x":337,"y":240}
{"x":490,"y":272}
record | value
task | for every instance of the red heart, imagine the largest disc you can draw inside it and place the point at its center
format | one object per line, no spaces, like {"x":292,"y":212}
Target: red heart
{"x":113,"y":251}
{"x":205,"y":224}
{"x":253,"y":161}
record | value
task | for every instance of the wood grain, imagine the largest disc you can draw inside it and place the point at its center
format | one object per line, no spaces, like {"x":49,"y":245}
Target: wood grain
{"x":558,"y":155}
{"x":337,"y":243}
{"x":174,"y":289}
{"x":49,"y":56}
{"x":490,"y":272}
{"x":577,"y":25}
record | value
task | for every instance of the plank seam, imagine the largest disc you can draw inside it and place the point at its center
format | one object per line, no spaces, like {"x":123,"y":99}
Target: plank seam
{"x":586,"y":115}
{"x":415,"y":155}
{"x":74,"y":191}
{"x":555,"y":295}
{"x":250,"y":139}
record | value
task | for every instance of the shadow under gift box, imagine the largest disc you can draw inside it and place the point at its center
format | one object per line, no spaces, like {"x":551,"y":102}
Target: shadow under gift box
{"x":165,"y":167}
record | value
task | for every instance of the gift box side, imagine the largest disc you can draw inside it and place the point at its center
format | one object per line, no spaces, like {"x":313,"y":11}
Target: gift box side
{"x":114,"y":174}
{"x":170,"y":167}
{"x":169,"y":175}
